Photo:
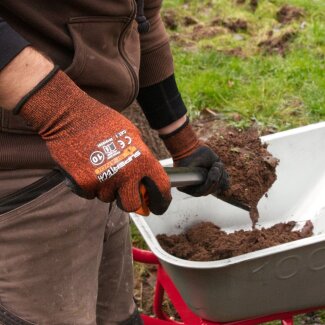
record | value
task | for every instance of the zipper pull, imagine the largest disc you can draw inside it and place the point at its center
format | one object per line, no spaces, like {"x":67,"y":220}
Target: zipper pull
{"x":143,"y":23}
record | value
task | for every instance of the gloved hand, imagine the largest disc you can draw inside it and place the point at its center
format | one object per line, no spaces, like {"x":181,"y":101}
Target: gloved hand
{"x":99,"y":150}
{"x":188,"y":151}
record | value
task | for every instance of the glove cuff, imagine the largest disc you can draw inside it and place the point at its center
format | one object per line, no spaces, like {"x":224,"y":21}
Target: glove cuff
{"x":58,"y":105}
{"x":182,"y":142}
{"x":40,"y":85}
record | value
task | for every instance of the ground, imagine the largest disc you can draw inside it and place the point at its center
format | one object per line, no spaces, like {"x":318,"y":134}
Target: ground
{"x":243,"y":62}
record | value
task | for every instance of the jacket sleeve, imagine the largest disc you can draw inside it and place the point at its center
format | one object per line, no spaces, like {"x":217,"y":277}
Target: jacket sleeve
{"x":11,"y":43}
{"x":156,"y":58}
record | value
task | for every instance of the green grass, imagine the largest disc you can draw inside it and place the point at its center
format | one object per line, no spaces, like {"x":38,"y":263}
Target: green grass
{"x":274,"y":90}
{"x":137,"y":239}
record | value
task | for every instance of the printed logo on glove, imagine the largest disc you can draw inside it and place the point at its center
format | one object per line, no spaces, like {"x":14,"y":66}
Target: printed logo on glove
{"x":113,"y":154}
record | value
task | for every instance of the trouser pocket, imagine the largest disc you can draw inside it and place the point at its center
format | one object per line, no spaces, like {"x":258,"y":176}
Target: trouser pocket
{"x":30,"y":192}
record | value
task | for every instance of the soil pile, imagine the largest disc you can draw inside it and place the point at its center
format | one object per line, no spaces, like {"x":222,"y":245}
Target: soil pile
{"x":200,"y":32}
{"x":289,"y":13}
{"x":207,"y":242}
{"x":170,"y":19}
{"x":189,"y":21}
{"x":250,"y":166}
{"x":234,"y":25}
{"x":277,"y":44}
{"x":252,"y":3}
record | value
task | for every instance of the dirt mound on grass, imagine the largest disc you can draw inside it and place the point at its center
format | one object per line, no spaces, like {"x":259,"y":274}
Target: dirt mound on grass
{"x":250,"y":166}
{"x":234,"y":25}
{"x":289,"y":13}
{"x":170,"y":19}
{"x":252,"y":3}
{"x":207,"y":242}
{"x":237,"y":52}
{"x":189,"y":21}
{"x":201,"y":32}
{"x":183,"y":41}
{"x":277,"y":44}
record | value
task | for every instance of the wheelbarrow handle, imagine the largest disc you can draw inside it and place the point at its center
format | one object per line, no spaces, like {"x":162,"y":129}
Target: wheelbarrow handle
{"x":144,"y":256}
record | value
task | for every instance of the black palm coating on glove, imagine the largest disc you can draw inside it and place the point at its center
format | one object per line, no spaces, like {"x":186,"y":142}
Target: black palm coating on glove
{"x":216,"y":175}
{"x":157,"y":204}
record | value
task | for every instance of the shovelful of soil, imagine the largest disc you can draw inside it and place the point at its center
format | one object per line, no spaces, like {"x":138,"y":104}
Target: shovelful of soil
{"x":251,"y":168}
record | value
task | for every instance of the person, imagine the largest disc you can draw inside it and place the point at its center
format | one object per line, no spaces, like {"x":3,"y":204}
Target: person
{"x":71,"y":165}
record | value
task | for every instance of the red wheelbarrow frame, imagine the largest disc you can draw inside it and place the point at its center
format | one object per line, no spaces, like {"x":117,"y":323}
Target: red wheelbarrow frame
{"x":165,"y":284}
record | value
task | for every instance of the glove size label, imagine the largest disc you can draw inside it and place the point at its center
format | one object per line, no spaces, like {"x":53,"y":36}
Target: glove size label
{"x":97,"y":158}
{"x":112,"y":155}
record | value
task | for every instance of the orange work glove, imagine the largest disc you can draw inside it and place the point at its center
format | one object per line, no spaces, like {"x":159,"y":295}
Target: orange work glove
{"x":99,"y":150}
{"x":188,"y":151}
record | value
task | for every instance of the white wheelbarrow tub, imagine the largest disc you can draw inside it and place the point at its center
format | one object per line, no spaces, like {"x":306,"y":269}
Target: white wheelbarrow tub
{"x":283,"y":278}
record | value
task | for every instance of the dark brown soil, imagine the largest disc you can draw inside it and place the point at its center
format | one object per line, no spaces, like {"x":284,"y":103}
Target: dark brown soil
{"x":237,"y":52}
{"x":182,"y":41}
{"x":200,"y":31}
{"x":250,"y":166}
{"x":277,"y":44}
{"x":234,"y":25}
{"x":289,"y":13}
{"x":189,"y":21}
{"x":170,"y":19}
{"x":253,"y":4}
{"x":207,"y":242}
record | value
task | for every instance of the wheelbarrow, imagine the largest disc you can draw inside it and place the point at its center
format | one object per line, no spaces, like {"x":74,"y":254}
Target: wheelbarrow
{"x":273,"y":283}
